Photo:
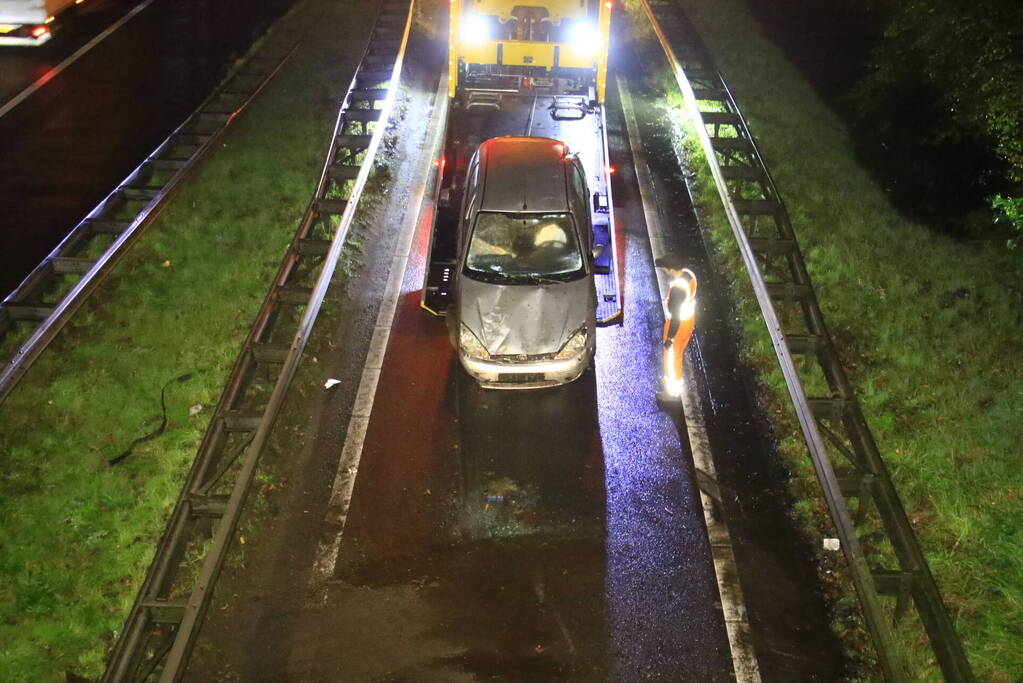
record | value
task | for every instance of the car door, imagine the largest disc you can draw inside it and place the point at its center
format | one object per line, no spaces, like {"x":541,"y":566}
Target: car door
{"x":470,"y":200}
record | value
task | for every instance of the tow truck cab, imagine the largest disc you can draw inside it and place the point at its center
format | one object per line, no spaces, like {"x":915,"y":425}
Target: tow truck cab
{"x":556,"y":47}
{"x":524,"y":294}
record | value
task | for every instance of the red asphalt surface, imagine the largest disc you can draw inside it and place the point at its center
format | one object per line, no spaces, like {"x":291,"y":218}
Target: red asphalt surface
{"x":411,"y":436}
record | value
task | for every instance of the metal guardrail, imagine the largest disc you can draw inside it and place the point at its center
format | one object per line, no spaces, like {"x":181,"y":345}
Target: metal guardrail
{"x":832,"y":424}
{"x":126,"y":212}
{"x":164,"y":622}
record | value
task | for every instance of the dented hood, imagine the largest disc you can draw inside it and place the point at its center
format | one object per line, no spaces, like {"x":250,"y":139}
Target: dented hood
{"x":525,"y":319}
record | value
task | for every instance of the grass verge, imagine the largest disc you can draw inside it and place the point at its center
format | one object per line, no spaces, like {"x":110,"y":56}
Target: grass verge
{"x":76,"y":535}
{"x":930,"y":330}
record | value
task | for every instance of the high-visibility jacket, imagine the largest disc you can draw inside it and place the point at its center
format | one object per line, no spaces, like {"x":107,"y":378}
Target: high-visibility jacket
{"x":680,"y":319}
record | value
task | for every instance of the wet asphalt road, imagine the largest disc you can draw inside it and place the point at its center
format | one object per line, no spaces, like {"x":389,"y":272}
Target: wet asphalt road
{"x":540,"y":535}
{"x":665,"y":599}
{"x":67,"y":146}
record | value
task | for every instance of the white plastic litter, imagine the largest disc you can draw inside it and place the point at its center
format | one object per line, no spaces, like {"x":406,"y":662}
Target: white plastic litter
{"x":331,"y":383}
{"x":832,"y":544}
{"x":195,"y":410}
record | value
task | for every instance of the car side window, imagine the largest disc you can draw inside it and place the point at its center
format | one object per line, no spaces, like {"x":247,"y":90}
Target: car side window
{"x":578,"y":184}
{"x":469,"y":199}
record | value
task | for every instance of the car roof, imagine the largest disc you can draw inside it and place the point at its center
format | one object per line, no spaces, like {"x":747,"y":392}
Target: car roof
{"x":524,"y":174}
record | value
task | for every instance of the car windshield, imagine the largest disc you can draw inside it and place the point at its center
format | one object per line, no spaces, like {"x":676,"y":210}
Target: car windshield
{"x":524,"y":246}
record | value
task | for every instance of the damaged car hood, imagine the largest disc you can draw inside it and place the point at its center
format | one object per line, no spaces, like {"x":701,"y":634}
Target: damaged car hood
{"x":526,"y":319}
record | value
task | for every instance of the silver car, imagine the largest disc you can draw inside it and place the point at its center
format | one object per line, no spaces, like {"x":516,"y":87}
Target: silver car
{"x":525,"y":299}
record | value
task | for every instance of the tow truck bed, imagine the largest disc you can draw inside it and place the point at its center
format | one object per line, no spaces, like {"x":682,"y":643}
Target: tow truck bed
{"x":566,"y":118}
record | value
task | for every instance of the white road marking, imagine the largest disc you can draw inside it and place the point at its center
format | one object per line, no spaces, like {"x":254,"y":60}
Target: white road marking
{"x":358,"y":424}
{"x":56,"y":71}
{"x":744,"y":661}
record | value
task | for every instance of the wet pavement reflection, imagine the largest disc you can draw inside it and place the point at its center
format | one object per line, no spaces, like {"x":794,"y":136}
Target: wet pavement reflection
{"x":663,"y":599}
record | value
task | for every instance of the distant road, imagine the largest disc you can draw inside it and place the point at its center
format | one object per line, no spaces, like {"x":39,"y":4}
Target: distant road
{"x":71,"y":137}
{"x":91,"y":26}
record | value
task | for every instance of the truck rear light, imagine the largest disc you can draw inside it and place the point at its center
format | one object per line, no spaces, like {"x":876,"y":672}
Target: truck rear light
{"x":39,"y":31}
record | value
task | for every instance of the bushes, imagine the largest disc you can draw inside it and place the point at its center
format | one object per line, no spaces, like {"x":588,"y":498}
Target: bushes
{"x":941,"y":101}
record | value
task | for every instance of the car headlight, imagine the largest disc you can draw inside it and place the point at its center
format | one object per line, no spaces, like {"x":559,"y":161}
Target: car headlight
{"x":575,"y":345}
{"x":470,"y":345}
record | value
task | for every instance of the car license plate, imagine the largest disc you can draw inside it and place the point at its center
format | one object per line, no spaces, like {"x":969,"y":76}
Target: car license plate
{"x":7,"y":28}
{"x":520,"y":377}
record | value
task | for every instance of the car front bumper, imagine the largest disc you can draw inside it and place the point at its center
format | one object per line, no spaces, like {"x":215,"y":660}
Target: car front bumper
{"x":504,"y":374}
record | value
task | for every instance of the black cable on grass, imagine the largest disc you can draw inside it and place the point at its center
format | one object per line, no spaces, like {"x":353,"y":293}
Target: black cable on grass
{"x":163,"y":422}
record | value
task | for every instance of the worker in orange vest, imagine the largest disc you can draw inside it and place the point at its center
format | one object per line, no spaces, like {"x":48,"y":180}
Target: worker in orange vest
{"x":679,"y":321}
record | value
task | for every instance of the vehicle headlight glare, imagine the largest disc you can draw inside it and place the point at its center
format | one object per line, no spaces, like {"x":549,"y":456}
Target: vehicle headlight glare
{"x":584,"y":39}
{"x":474,"y":29}
{"x":470,"y":344}
{"x":575,"y":345}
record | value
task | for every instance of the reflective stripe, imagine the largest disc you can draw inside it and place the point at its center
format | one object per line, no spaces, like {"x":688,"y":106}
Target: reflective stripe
{"x":686,"y":283}
{"x":688,"y":309}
